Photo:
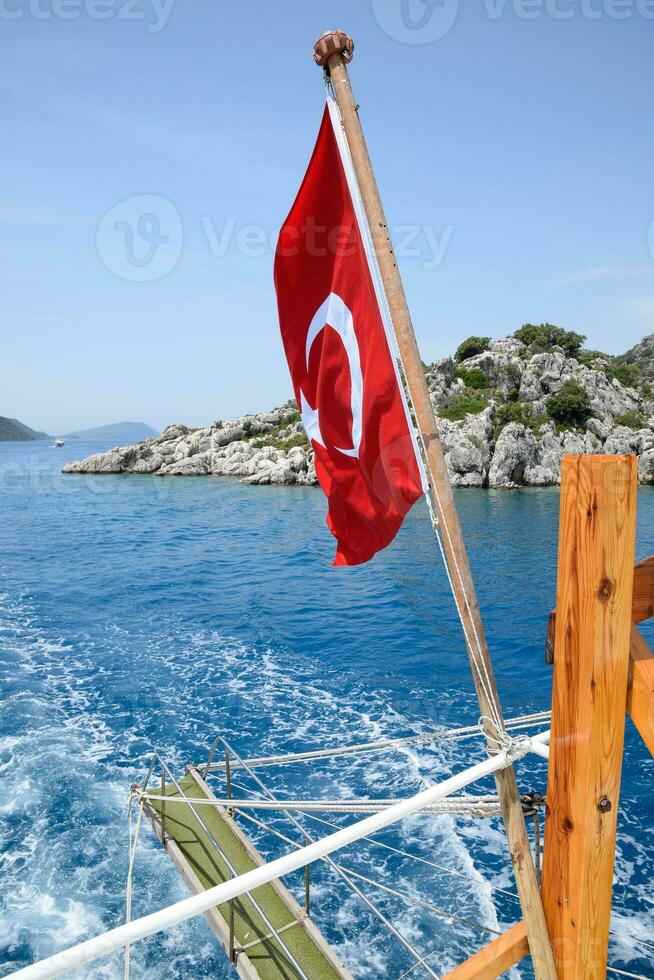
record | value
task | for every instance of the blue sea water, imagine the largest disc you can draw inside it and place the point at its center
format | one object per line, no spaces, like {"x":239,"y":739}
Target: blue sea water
{"x":142,"y":612}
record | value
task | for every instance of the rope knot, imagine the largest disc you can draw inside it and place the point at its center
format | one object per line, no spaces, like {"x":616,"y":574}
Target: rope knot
{"x":518,"y":747}
{"x":499,"y":740}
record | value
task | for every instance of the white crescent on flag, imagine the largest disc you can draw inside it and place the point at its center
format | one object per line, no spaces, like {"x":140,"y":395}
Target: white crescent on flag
{"x":335,"y":314}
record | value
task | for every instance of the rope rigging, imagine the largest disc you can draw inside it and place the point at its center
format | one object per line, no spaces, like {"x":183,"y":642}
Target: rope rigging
{"x":472,"y":806}
{"x":531,"y":805}
{"x":380,"y":745}
{"x":408,"y":899}
{"x":343,"y":875}
{"x":133,"y":843}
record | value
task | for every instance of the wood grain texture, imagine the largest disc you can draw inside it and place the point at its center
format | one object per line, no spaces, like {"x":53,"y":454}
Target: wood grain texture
{"x":642,"y":603}
{"x":593,"y":626}
{"x":495,"y":958}
{"x":640,"y":693}
{"x":642,"y":606}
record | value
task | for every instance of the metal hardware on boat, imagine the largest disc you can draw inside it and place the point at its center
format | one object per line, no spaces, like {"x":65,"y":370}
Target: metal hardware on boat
{"x":531,"y":803}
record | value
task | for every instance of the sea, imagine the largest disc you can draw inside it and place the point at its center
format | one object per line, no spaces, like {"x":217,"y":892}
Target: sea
{"x":141,"y":613}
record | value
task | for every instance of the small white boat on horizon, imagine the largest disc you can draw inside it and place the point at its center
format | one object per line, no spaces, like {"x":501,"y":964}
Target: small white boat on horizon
{"x":58,"y":443}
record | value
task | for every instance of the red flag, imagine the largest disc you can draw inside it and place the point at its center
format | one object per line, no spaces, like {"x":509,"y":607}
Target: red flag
{"x":337,"y":346}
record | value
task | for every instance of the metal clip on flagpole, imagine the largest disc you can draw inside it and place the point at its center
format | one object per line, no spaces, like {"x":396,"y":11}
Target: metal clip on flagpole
{"x":332,"y":51}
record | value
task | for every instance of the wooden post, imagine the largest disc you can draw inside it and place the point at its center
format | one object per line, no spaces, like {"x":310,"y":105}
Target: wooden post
{"x":640,"y":695}
{"x":496,"y":958}
{"x":331,"y":52}
{"x":591,"y":663}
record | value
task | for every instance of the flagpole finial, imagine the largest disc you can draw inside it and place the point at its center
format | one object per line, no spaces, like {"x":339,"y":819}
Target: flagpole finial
{"x":332,"y":42}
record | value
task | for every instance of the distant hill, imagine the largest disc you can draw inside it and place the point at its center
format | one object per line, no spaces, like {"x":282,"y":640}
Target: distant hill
{"x":641,"y":360}
{"x":118,"y":432}
{"x":11,"y":430}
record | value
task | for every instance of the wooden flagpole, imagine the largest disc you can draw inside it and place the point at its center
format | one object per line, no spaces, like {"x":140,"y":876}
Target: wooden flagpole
{"x":331,"y":52}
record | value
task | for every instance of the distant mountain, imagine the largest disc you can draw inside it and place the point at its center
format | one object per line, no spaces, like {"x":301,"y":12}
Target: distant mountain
{"x":118,"y":432}
{"x":11,"y":430}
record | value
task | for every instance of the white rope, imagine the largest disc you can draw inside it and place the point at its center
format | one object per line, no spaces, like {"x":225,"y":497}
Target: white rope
{"x":624,"y":973}
{"x":133,"y":841}
{"x":472,"y":806}
{"x":530,"y":719}
{"x":422,"y":903}
{"x":381,"y":745}
{"x":633,"y":939}
{"x":93,"y":949}
{"x":416,"y":965}
{"x":380,"y":915}
{"x":408,"y":899}
{"x":477,"y":657}
{"x":348,"y":881}
{"x":232,"y":870}
{"x":415,"y":857}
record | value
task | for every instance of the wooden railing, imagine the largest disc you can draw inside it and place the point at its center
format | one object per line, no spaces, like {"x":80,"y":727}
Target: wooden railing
{"x":603,"y":669}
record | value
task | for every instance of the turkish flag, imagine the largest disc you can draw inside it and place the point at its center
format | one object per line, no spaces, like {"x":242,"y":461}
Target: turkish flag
{"x":337,"y":345}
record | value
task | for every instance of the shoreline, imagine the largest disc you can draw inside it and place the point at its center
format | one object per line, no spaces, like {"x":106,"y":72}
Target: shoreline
{"x":506,"y":416}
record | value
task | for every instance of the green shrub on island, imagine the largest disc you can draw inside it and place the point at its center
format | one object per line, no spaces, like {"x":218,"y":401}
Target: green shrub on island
{"x":627,"y":374}
{"x":472,"y":378}
{"x":285,"y":445}
{"x":512,"y":412}
{"x":516,"y":412}
{"x":632,"y":420}
{"x":471,"y":347}
{"x":571,"y":405}
{"x":273,"y":437}
{"x":542,"y":338}
{"x":514,"y":373}
{"x":467,"y":402}
{"x":588,"y":357}
{"x":270,"y":437}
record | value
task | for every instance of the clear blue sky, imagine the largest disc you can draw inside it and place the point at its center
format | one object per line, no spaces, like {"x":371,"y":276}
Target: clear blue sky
{"x":521,"y":139}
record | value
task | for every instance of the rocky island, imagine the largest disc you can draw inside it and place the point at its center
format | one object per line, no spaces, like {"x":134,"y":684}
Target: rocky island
{"x":507,"y":411}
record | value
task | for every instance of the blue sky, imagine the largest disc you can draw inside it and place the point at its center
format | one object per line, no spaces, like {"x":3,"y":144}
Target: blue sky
{"x":512,"y":140}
